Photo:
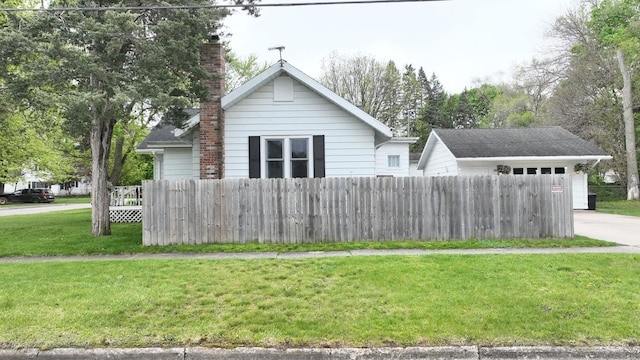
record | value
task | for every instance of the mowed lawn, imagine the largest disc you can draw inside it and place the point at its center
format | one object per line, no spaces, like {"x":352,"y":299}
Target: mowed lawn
{"x":563,"y":299}
{"x":620,"y":207}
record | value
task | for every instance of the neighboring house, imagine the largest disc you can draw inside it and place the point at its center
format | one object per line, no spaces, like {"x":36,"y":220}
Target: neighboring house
{"x":33,"y":180}
{"x":513,"y":151}
{"x":281,"y":123}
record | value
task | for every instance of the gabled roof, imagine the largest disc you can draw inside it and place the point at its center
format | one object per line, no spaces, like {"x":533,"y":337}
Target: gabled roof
{"x":511,"y":144}
{"x":163,"y":135}
{"x":280,"y":68}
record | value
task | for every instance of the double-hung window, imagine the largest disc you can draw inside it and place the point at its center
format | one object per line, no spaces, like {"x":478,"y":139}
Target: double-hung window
{"x":287,"y":157}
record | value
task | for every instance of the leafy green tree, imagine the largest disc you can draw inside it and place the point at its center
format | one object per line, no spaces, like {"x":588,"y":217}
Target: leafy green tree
{"x":391,"y":106}
{"x":581,"y":83}
{"x":617,"y":24}
{"x":240,"y":70}
{"x":99,"y":63}
{"x":510,"y":108}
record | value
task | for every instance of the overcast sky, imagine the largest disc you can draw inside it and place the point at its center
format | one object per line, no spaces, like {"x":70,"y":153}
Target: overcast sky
{"x":460,"y":41}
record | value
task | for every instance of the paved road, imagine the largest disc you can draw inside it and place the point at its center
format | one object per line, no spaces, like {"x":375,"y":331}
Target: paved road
{"x":620,"y":229}
{"x":39,"y":208}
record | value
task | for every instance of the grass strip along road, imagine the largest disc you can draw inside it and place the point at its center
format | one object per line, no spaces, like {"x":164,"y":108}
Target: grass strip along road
{"x":560,"y":299}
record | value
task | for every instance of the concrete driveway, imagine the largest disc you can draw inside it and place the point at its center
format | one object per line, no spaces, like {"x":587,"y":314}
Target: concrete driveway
{"x":40,"y":208}
{"x":615,"y":228}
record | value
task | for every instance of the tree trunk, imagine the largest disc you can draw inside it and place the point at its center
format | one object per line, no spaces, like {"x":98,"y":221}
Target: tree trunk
{"x":118,"y":162}
{"x":101,"y":133}
{"x":633,"y":189}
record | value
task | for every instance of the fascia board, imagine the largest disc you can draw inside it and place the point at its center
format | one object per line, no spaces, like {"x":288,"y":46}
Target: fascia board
{"x":250,"y":86}
{"x":428,"y":148}
{"x":538,"y":158}
{"x":191,"y":122}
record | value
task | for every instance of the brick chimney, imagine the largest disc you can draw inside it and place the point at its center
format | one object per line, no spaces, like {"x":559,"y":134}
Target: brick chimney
{"x":211,"y":113}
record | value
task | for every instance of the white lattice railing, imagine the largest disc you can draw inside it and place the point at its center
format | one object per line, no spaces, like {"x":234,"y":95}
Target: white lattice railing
{"x":125,"y":214}
{"x":126,"y":196}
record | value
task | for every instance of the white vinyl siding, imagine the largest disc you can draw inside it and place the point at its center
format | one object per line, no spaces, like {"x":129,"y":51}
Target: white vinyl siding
{"x":441,"y":162}
{"x":382,"y":159}
{"x":177,"y":163}
{"x":349,"y":143}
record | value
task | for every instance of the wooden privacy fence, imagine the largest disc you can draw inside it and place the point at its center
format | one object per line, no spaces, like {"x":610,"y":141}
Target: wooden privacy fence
{"x":356,"y":209}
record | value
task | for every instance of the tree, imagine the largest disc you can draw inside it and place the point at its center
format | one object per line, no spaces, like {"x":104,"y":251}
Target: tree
{"x":617,"y":22}
{"x":361,"y":80}
{"x":101,"y":62}
{"x":391,"y":101}
{"x":240,"y":70}
{"x":582,"y":91}
{"x":511,"y":107}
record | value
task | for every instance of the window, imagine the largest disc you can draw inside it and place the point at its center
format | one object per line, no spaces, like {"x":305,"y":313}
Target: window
{"x":275,"y":159}
{"x":532,"y":171}
{"x":518,"y":171}
{"x":393,"y":161}
{"x":287,"y":158}
{"x":559,"y":170}
{"x":545,"y":171}
{"x":299,"y":158}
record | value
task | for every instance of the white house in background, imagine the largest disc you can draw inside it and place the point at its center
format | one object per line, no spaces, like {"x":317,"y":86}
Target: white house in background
{"x":281,"y":123}
{"x":33,"y":180}
{"x":513,"y":151}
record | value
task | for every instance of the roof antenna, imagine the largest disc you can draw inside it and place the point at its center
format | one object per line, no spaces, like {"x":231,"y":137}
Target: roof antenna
{"x":279,"y":48}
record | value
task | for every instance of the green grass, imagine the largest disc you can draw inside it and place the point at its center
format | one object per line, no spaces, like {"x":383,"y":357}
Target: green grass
{"x":620,"y":207}
{"x":69,"y":233}
{"x":490,"y":300}
{"x":73,"y":199}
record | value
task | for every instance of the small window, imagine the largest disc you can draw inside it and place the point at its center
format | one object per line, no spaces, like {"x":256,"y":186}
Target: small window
{"x":518,"y":171}
{"x":299,"y":158}
{"x":545,"y":171}
{"x":393,"y":161}
{"x":559,"y":170}
{"x":532,"y":171}
{"x":275,"y":161}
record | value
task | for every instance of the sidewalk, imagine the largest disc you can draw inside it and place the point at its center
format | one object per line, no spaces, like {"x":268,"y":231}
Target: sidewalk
{"x":414,"y":353}
{"x":39,"y":209}
{"x":319,"y":254}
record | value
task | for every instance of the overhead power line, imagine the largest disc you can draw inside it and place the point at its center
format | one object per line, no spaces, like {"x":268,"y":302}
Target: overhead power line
{"x":219,"y":6}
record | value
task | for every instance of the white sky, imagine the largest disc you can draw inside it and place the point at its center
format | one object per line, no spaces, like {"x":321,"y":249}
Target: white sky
{"x":461,"y":41}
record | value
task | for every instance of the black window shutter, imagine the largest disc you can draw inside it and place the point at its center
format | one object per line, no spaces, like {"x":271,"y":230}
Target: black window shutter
{"x":318,"y":156}
{"x":254,"y":157}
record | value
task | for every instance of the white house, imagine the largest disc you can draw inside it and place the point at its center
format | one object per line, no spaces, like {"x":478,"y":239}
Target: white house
{"x":511,"y":151}
{"x":281,"y":123}
{"x":34,"y":179}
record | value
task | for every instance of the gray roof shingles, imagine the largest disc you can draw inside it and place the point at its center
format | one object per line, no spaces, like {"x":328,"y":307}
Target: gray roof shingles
{"x":512,"y":142}
{"x":163,"y":132}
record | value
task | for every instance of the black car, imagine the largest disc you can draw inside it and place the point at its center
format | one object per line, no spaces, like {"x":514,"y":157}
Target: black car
{"x":28,"y":195}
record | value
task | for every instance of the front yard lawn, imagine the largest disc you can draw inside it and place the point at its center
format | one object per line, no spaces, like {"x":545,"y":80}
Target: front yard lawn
{"x":561,"y":299}
{"x":620,"y":207}
{"x":69,"y":233}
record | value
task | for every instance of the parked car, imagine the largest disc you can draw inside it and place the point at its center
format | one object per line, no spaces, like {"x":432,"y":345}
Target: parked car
{"x":28,"y":195}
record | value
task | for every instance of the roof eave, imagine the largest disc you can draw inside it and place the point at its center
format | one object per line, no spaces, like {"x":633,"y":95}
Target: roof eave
{"x":426,"y":151}
{"x":529,"y":158}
